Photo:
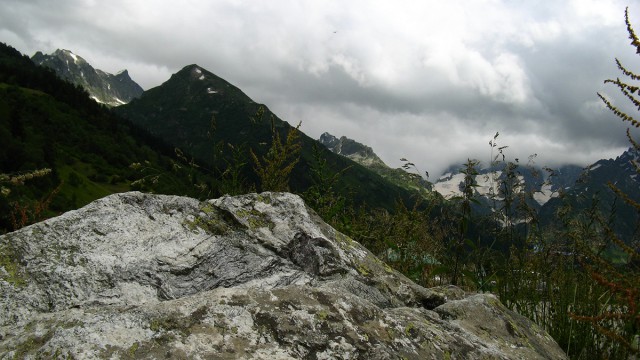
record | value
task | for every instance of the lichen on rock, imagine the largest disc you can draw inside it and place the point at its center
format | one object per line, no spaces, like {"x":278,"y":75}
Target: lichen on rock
{"x":252,"y":276}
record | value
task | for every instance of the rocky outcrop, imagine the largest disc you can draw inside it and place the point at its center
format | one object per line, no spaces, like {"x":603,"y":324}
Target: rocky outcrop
{"x":105,"y":88}
{"x":352,"y":149}
{"x":365,"y":156}
{"x":256,"y":276}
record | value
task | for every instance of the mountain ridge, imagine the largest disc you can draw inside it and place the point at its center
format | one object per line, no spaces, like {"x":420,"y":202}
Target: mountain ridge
{"x":352,"y":149}
{"x":365,"y":156}
{"x":195,"y":109}
{"x":49,"y":123}
{"x":592,"y":190}
{"x":103,"y":87}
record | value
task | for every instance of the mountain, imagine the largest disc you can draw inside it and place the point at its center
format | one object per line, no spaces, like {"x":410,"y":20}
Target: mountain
{"x":544,"y":184}
{"x":592,"y":190}
{"x":105,"y":88}
{"x":569,"y":190}
{"x":49,"y":123}
{"x":195,"y":110}
{"x":352,"y":149}
{"x":365,"y":156}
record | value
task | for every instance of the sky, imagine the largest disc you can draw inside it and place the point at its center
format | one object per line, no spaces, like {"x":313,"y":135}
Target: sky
{"x":430,"y":81}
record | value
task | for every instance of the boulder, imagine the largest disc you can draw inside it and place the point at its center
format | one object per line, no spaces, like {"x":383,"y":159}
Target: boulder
{"x":258,"y":276}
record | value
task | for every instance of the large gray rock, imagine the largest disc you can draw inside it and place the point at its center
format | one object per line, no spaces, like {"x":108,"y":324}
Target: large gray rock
{"x":255,"y":276}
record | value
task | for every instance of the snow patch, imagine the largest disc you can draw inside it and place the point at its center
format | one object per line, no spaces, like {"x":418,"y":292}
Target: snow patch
{"x":97,"y":100}
{"x":545,"y":194}
{"x":450,"y":187}
{"x":74,"y":56}
{"x":488,"y":184}
{"x":198,"y":71}
{"x":211,"y":91}
{"x":595,"y":167}
{"x":201,"y":77}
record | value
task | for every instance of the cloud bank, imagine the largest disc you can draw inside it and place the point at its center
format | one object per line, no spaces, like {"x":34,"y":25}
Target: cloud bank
{"x":431,"y":81}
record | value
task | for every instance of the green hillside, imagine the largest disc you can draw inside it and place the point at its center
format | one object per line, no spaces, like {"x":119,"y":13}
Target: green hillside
{"x":47,"y":123}
{"x":196,"y":109}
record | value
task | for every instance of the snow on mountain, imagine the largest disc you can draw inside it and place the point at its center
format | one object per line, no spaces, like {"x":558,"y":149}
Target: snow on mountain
{"x":105,"y":88}
{"x":486,"y":183}
{"x":74,"y":56}
{"x":545,"y":194}
{"x":448,"y":185}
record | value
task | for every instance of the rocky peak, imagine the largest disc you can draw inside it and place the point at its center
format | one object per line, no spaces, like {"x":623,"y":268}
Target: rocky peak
{"x":252,"y":276}
{"x":68,"y":55}
{"x":329,"y":141}
{"x":629,"y":157}
{"x":113,"y":90}
{"x":352,"y":149}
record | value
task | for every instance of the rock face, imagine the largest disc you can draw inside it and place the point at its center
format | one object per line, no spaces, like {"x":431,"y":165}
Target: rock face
{"x":256,"y":276}
{"x":364,"y":155}
{"x":352,"y":149}
{"x":113,"y":90}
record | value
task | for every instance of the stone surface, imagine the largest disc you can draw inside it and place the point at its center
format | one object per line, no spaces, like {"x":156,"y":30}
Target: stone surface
{"x":256,"y":276}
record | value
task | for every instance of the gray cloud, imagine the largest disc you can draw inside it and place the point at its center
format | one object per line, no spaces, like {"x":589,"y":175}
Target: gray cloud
{"x":427,"y":80}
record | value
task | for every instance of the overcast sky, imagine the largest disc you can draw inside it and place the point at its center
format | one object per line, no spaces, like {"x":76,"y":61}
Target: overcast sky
{"x":431,"y":81}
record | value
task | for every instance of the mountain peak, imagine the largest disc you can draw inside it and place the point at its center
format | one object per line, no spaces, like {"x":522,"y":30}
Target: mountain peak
{"x":197,"y":72}
{"x":196,"y":82}
{"x":630,"y":154}
{"x":65,"y":54}
{"x":112,"y":90}
{"x":191,"y":69}
{"x":352,"y":149}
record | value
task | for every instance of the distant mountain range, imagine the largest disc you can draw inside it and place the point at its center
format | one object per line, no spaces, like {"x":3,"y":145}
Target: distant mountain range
{"x":365,"y":156}
{"x":546,"y":190}
{"x":105,"y":88}
{"x":543,"y":183}
{"x":195,"y":109}
{"x":352,"y":149}
{"x":591,"y":191}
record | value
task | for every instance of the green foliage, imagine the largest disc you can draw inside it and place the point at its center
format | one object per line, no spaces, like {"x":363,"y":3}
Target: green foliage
{"x":322,"y":195}
{"x":457,"y":244}
{"x":181,"y":111}
{"x":48,"y":123}
{"x":232,"y":181}
{"x":619,"y":320}
{"x":275,"y":167}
